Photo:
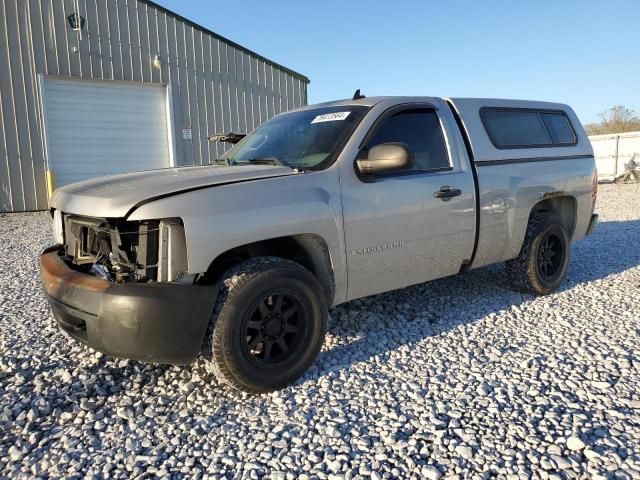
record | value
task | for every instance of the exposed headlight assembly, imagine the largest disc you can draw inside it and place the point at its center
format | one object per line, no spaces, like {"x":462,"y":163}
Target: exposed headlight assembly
{"x":172,"y":261}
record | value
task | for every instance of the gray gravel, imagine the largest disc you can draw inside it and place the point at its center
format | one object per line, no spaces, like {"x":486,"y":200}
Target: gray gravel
{"x":459,"y":378}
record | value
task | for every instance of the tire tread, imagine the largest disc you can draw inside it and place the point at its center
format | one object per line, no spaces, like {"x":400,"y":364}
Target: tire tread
{"x":521,"y":270}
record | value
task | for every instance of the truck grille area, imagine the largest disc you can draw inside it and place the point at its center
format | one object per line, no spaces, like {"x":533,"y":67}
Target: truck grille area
{"x":114,"y":250}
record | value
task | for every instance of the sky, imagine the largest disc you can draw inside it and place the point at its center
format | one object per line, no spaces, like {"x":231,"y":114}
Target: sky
{"x":582,"y":52}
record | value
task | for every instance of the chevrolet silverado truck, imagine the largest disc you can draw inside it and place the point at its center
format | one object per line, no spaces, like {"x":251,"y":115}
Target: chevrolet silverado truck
{"x":239,"y":261}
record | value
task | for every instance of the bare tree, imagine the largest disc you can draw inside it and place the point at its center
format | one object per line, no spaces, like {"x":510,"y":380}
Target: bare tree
{"x":617,"y":119}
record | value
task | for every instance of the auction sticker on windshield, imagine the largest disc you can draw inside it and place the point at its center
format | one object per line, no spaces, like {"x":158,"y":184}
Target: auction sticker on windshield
{"x":330,"y":117}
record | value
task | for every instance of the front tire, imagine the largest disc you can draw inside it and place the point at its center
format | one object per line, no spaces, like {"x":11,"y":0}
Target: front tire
{"x":268,"y":325}
{"x":543,"y":261}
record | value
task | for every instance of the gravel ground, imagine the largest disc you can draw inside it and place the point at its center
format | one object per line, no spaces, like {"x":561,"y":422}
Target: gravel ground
{"x":458,"y":378}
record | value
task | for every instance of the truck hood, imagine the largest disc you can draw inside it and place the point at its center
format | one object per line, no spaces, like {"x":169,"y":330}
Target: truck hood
{"x":116,"y":195}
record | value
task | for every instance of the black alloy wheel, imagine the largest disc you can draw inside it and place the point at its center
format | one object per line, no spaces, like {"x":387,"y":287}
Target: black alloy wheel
{"x":274,"y":328}
{"x":550,"y":255}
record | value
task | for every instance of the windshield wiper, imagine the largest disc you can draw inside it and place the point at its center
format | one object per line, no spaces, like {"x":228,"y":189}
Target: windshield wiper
{"x":259,"y":161}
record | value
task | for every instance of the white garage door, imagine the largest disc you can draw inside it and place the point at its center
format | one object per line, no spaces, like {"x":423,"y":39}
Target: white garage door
{"x":101,"y":128}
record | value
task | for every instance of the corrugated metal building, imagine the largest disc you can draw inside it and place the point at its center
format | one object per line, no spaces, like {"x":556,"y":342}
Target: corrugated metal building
{"x":92,"y":87}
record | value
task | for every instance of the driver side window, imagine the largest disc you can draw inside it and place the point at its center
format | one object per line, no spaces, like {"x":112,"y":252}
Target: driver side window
{"x":420,"y":130}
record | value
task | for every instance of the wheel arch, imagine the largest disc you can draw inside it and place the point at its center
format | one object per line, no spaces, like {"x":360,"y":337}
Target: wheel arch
{"x":565,"y":206}
{"x":309,"y":250}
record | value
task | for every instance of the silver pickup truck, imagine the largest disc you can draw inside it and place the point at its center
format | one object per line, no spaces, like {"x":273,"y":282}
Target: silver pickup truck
{"x":239,"y":261}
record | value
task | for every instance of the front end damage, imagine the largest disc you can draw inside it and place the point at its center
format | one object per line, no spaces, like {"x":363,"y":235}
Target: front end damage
{"x":122,"y":288}
{"x":121,"y":251}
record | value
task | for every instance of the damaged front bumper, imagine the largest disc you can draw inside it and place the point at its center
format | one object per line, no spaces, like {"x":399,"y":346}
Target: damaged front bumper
{"x":153,"y":322}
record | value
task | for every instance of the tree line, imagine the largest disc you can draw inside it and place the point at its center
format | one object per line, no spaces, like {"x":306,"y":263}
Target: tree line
{"x":617,"y":119}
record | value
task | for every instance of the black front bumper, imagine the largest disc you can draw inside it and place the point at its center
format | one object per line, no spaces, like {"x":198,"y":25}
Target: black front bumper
{"x":152,"y":322}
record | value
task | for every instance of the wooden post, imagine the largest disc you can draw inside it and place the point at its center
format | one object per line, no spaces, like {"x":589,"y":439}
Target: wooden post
{"x":615,"y":169}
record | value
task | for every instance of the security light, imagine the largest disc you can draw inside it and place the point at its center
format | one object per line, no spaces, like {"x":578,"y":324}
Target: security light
{"x":76,"y":21}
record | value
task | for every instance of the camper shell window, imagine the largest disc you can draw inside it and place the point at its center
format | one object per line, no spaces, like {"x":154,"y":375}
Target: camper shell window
{"x":527,"y":128}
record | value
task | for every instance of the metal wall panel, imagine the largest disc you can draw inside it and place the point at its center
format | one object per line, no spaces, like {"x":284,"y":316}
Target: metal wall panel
{"x":216,"y":85}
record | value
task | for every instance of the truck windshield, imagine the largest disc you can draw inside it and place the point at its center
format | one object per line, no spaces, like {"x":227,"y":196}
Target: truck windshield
{"x":307,"y":139}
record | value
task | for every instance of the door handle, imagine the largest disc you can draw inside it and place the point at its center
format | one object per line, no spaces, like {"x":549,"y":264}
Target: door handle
{"x":447,"y":192}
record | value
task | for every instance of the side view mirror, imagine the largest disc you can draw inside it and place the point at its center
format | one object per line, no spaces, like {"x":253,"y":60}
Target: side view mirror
{"x":385,"y":158}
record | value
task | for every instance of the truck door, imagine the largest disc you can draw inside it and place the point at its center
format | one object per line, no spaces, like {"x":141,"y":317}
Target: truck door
{"x":411,"y":226}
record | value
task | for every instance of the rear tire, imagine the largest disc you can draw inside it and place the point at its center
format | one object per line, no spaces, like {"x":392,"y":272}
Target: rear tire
{"x":542,"y":263}
{"x":268,"y":325}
